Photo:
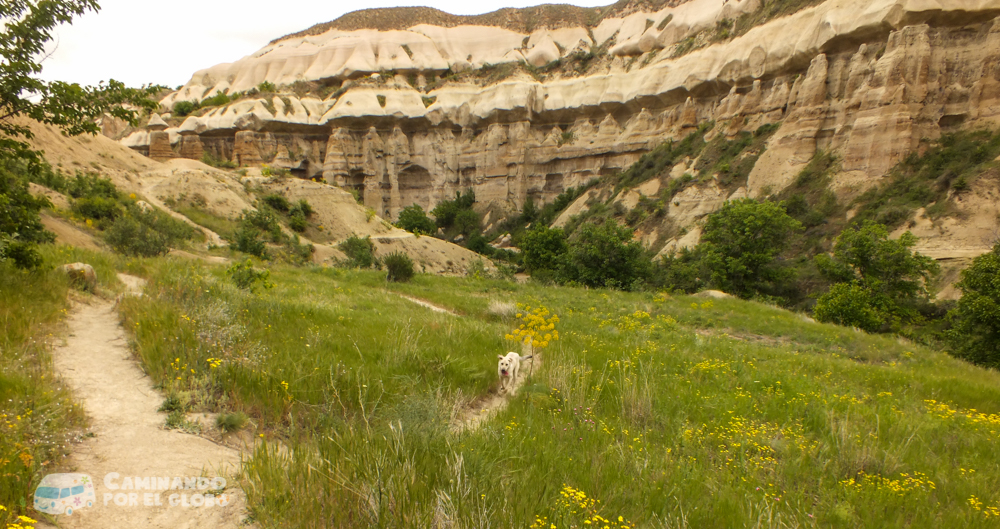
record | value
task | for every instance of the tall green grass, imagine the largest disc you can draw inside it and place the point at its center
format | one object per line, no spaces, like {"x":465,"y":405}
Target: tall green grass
{"x":664,"y":411}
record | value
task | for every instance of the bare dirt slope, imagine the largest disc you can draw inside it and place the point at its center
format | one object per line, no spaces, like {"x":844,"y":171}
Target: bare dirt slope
{"x":129,"y":439}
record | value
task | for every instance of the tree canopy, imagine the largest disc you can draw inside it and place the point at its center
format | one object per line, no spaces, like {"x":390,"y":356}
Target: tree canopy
{"x":976,"y":332}
{"x":741,"y":242}
{"x":27,"y":29}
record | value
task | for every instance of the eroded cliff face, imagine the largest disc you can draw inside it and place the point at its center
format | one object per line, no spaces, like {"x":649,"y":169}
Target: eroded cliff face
{"x":865,"y":79}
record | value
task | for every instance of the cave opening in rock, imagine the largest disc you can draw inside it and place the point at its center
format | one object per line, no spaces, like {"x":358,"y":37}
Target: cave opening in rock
{"x":356,"y":181}
{"x":415,"y":187}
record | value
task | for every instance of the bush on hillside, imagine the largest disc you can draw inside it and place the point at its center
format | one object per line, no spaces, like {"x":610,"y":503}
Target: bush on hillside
{"x":853,"y":305}
{"x":128,"y":236}
{"x":976,"y":332}
{"x":414,"y":220}
{"x":543,"y":248}
{"x":606,"y":255}
{"x":277,"y":202}
{"x":399,"y":267}
{"x":741,"y":243}
{"x":446,"y":212}
{"x":246,"y":277}
{"x":360,"y":252}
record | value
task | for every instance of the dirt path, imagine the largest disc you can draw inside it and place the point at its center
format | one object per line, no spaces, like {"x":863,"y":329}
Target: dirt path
{"x":96,"y":363}
{"x":427,"y":304}
{"x":473,"y":416}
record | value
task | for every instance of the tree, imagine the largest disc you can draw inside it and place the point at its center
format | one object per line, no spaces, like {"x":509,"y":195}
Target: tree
{"x":605,"y":255}
{"x":20,"y":225}
{"x":27,"y":29}
{"x":885,"y":278}
{"x":414,"y":220}
{"x":866,"y":254}
{"x":446,"y":212}
{"x":976,"y":332}
{"x":741,"y":242}
{"x":543,"y":248}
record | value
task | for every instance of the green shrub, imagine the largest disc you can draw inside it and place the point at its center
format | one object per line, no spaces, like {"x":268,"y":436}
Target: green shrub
{"x":446,"y":212}
{"x":128,"y":236}
{"x":305,"y":207}
{"x":360,"y":252}
{"x":208,"y":159}
{"x":276,"y":202}
{"x":267,"y":87}
{"x":98,"y":208}
{"x":606,"y":256}
{"x":399,"y":267}
{"x":414,"y":220}
{"x":263,"y":220}
{"x":218,"y":100}
{"x":231,"y":422}
{"x":246,"y":277}
{"x":247,"y":240}
{"x":852,"y":305}
{"x":466,"y":221}
{"x":297,"y":221}
{"x":543,"y":248}
{"x":21,"y":226}
{"x":183,"y":108}
{"x":741,"y":243}
{"x":976,"y":332}
{"x":173,"y":402}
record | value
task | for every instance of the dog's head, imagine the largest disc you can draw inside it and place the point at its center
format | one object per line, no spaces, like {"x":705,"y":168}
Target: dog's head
{"x":505,"y":365}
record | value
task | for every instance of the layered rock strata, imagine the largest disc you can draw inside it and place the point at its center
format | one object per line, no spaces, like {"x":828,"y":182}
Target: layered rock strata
{"x":866,"y":79}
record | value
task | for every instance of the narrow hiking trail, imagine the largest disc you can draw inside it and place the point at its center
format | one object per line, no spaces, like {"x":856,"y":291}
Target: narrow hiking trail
{"x":472,"y":416}
{"x":129,"y":439}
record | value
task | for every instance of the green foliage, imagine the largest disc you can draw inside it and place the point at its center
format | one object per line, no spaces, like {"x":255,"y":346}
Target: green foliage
{"x":304,"y":207}
{"x":218,"y":100}
{"x":543,"y":248}
{"x":661,"y":159}
{"x":360,"y":252}
{"x":414,"y":220}
{"x":184,"y":108}
{"x":529,"y":213}
{"x":276,"y":202}
{"x":128,"y":236}
{"x":399,"y":267}
{"x":428,"y":100}
{"x":854,"y":305}
{"x":208,"y":158}
{"x":247,"y":239}
{"x":865,"y":253}
{"x":466,"y":222}
{"x":262,"y":220}
{"x":681,"y":271}
{"x":975,"y":335}
{"x":566,"y":137}
{"x":297,"y":221}
{"x":605,"y":255}
{"x":267,"y":87}
{"x":446,"y":212}
{"x":741,"y":242}
{"x":921,"y":180}
{"x":231,"y":422}
{"x":24,"y":40}
{"x":21,"y":226}
{"x":381,"y":100}
{"x":246,"y":277}
{"x":98,"y":208}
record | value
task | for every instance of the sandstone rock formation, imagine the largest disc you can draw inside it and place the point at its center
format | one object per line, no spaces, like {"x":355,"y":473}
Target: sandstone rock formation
{"x":865,"y":79}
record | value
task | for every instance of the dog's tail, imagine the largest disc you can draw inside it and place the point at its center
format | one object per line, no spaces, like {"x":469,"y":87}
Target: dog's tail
{"x":527,"y":357}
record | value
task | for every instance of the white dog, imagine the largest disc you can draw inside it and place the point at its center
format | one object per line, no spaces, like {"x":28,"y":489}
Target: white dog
{"x":507,"y":369}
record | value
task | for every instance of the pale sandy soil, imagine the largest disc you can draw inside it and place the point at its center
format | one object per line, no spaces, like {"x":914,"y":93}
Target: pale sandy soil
{"x":128,"y":435}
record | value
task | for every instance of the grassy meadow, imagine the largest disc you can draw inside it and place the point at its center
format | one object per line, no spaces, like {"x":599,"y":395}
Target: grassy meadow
{"x":648,"y":410}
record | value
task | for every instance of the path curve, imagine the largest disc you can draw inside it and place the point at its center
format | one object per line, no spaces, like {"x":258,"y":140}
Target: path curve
{"x":96,"y":363}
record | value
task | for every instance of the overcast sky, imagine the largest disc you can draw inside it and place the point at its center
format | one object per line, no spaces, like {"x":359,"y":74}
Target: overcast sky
{"x":140,"y":41}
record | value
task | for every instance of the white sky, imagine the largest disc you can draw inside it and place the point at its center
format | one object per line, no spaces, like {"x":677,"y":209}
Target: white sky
{"x":141,"y":41}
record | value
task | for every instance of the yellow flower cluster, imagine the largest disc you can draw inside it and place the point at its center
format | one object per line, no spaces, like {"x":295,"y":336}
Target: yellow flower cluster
{"x":990,"y":421}
{"x":214,"y":363}
{"x":22,"y":522}
{"x":537,"y":328}
{"x":988,"y":511}
{"x":574,"y":510}
{"x":708,"y":366}
{"x":917,"y":482}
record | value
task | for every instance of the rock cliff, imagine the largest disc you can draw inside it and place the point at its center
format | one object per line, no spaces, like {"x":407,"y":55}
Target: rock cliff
{"x":410,"y":113}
